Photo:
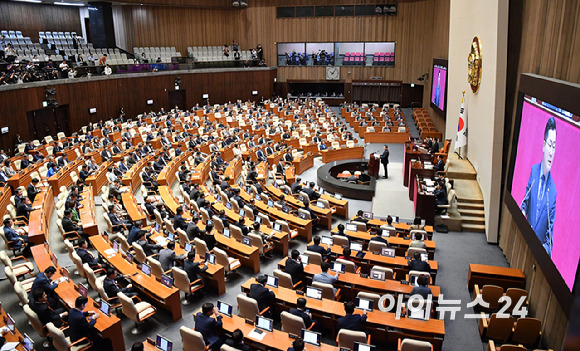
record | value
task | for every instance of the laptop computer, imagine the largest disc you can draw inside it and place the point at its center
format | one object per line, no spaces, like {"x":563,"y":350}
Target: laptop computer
{"x":367,"y":215}
{"x":326,"y":240}
{"x":388,"y":252}
{"x":272,"y":281}
{"x":224,"y":308}
{"x":277,"y":227}
{"x":377,"y":275}
{"x":264,"y":323}
{"x":105,"y":308}
{"x":247,"y":241}
{"x":285,"y":209}
{"x":27,"y":343}
{"x":146,"y":269}
{"x":210,"y":258}
{"x":385,"y":233}
{"x":304,"y":259}
{"x":351,"y":227}
{"x":364,"y":304}
{"x":314,"y":293}
{"x":167,"y":281}
{"x":359,"y":346}
{"x":302,"y":216}
{"x":319,"y":204}
{"x":310,"y":337}
{"x":226,"y":232}
{"x":338,"y":267}
{"x":188,"y":247}
{"x":83,"y":291}
{"x":228,"y":205}
{"x":354,"y":246}
{"x":163,"y":343}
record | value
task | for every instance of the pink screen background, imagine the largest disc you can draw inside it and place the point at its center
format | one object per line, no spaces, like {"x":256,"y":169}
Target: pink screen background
{"x":566,"y":241}
{"x":442,"y":81}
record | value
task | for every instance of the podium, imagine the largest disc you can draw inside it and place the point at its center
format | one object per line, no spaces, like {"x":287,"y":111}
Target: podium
{"x":373,"y":164}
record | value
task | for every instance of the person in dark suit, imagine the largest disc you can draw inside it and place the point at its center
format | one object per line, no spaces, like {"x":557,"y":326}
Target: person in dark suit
{"x":423,"y":290}
{"x":297,"y":345}
{"x":69,"y":225}
{"x":237,"y":341}
{"x":43,"y":282}
{"x":86,"y":256}
{"x":300,"y":311}
{"x":32,"y":189}
{"x":264,"y":296}
{"x":148,"y":248}
{"x":80,"y":327}
{"x":296,"y":186}
{"x":312,"y":194}
{"x":24,"y":208}
{"x":135,"y":232}
{"x":385,"y":160}
{"x":118,"y":224}
{"x":167,"y":256}
{"x":294,"y":267}
{"x":193,"y":231}
{"x":539,"y":202}
{"x":317,"y":248}
{"x":178,"y":220}
{"x":261,"y":156}
{"x":416,"y":264}
{"x":46,"y":314}
{"x":106,"y":155}
{"x":17,"y":241}
{"x":208,"y":326}
{"x":192,"y":268}
{"x":440,"y":194}
{"x":111,"y":287}
{"x":440,"y":166}
{"x":351,"y":321}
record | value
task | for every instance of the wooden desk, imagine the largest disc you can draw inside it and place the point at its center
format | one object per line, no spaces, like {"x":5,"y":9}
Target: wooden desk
{"x":340,"y":205}
{"x":201,"y":172}
{"x":505,"y":277}
{"x":276,"y":340}
{"x":87,"y":213}
{"x":304,"y":163}
{"x":16,"y":336}
{"x":324,"y":214}
{"x":379,"y":324}
{"x":156,"y":292}
{"x":343,"y":153}
{"x":99,"y":178}
{"x":63,"y":176}
{"x":39,"y":220}
{"x":167,"y":175}
{"x":350,"y":283}
{"x":418,"y":169}
{"x":398,"y":264}
{"x":23,"y":178}
{"x":171,"y":201}
{"x":412,"y":153}
{"x":424,"y":202}
{"x":386,"y":137}
{"x":214,"y":272}
{"x":134,"y":211}
{"x":400,"y":227}
{"x":5,"y":195}
{"x":109,"y":327}
{"x":248,"y":255}
{"x":233,"y":170}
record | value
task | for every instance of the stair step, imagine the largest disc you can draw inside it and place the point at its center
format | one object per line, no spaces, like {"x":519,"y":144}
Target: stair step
{"x":471,"y":201}
{"x":469,"y":206}
{"x":466,"y":227}
{"x":472,"y":220}
{"x":472,"y":212}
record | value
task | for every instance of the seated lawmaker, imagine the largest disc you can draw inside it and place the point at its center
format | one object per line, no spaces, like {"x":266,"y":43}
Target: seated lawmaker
{"x":351,"y":321}
{"x":259,"y":292}
{"x":416,"y":264}
{"x":315,"y":247}
{"x":209,"y":326}
{"x":300,"y":311}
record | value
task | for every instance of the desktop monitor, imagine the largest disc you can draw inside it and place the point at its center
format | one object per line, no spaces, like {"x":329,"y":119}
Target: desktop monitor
{"x":27,"y":343}
{"x":338,"y":196}
{"x":354,"y":246}
{"x":65,"y":273}
{"x":105,"y":308}
{"x":413,"y":280}
{"x":367,"y":215}
{"x":359,"y":346}
{"x":146,"y":269}
{"x":301,"y":198}
{"x":247,"y":241}
{"x":338,"y":267}
{"x":385,"y":233}
{"x":314,"y":293}
{"x":219,"y":198}
{"x":302,"y":215}
{"x":264,"y":323}
{"x":10,"y":323}
{"x":272,"y":281}
{"x":226,"y":232}
{"x":388,"y":252}
{"x":258,"y":197}
{"x":129,"y":257}
{"x":163,"y":344}
{"x":228,"y":205}
{"x":167,"y":281}
{"x":304,"y":259}
{"x":320,"y":204}
{"x":424,"y":257}
{"x":210,"y":258}
{"x":188,"y":247}
{"x":351,"y":227}
{"x":421,"y":314}
{"x":242,"y":212}
{"x":83,"y":291}
{"x":224,"y":308}
{"x":310,"y":337}
{"x":285,"y":209}
{"x":170,"y":236}
{"x":327,"y":240}
{"x":364,"y":304}
{"x":270,"y":203}
{"x":377,"y":274}
{"x":258,"y":220}
{"x":277,"y":227}
{"x":116,"y":246}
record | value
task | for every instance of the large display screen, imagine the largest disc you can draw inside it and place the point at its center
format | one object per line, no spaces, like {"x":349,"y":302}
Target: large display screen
{"x":439,"y":84}
{"x":545,"y":183}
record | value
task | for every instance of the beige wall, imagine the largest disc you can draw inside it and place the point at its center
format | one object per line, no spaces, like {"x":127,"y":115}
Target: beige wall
{"x":485,"y":110}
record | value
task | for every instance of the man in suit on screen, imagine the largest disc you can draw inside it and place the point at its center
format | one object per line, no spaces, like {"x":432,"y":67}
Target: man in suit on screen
{"x":539,"y":203}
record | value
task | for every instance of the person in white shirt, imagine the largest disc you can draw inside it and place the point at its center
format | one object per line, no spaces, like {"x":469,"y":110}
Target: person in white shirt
{"x":108,"y":71}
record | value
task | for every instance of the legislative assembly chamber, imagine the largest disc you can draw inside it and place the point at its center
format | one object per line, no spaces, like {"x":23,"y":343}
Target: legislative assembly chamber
{"x":289,"y":175}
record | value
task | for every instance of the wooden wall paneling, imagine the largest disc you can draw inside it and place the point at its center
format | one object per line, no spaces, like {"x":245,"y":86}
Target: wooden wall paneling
{"x":33,"y":18}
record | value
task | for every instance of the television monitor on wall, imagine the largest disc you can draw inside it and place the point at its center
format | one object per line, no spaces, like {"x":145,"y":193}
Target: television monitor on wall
{"x":439,"y":85}
{"x":542,"y":182}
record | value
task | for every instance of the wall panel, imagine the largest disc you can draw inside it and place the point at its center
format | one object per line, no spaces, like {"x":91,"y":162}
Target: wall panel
{"x":33,"y":18}
{"x":131,"y":93}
